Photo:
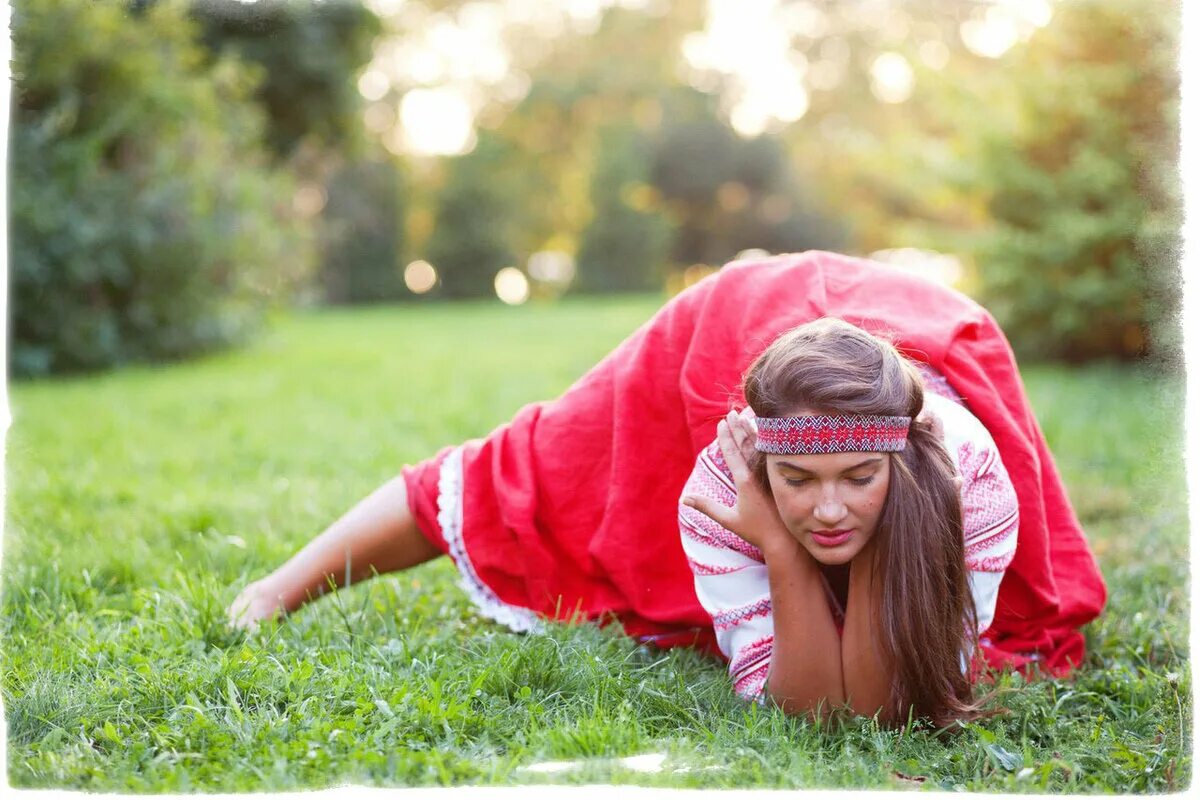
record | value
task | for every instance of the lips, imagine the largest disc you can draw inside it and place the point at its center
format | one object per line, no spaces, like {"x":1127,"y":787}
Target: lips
{"x":832,"y":538}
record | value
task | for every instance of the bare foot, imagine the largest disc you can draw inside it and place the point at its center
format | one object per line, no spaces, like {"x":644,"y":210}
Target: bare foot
{"x":257,"y":602}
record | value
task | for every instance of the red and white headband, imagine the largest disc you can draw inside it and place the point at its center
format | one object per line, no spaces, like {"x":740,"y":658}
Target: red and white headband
{"x":831,"y":434}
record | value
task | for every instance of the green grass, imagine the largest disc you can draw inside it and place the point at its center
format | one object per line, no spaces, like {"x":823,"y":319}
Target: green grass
{"x":140,"y":501}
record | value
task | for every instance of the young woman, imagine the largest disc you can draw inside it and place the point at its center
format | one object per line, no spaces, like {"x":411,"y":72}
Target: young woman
{"x":832,"y":525}
{"x":571,"y":510}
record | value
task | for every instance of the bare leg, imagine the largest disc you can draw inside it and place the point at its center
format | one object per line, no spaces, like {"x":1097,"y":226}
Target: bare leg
{"x":376,"y":536}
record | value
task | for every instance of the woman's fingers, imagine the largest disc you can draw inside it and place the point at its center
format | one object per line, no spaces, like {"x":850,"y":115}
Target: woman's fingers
{"x":731,"y":451}
{"x":744,"y":433}
{"x":718,"y":513}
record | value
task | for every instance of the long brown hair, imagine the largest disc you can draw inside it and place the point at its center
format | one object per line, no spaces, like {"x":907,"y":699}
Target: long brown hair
{"x":927,"y":614}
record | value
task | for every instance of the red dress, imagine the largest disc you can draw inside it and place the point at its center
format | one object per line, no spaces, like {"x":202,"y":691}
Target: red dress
{"x":570,"y":509}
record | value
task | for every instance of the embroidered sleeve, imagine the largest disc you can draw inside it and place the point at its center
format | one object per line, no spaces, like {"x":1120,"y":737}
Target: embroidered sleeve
{"x":731,"y":578}
{"x":989,"y":523}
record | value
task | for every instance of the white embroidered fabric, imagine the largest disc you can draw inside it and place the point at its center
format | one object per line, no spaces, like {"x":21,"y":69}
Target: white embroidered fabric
{"x":450,"y":518}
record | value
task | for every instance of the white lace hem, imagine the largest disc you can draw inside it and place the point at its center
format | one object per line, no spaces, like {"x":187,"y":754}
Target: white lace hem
{"x":450,"y":518}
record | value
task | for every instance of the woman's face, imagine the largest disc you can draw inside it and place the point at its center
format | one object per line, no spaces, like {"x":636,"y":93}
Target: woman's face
{"x":830,"y":502}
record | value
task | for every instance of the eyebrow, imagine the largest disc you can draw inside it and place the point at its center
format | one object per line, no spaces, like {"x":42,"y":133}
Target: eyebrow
{"x":866,"y":463}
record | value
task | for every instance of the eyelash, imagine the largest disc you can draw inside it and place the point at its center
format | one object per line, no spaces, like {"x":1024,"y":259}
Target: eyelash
{"x":856,"y":481}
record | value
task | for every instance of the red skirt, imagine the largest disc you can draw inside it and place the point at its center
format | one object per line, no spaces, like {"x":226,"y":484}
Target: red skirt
{"x":569,"y":510}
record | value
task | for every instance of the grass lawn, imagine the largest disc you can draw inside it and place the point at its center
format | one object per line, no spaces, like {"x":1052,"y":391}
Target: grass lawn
{"x":140,"y":501}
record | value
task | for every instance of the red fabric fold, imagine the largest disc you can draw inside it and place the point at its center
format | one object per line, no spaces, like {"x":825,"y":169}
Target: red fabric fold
{"x":570,"y":508}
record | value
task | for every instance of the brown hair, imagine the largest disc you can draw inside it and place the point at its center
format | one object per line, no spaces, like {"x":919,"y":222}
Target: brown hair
{"x":927,"y":614}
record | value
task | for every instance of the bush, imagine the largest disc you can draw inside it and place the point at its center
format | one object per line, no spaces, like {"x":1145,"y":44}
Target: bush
{"x":144,"y":223}
{"x":1068,"y":158}
{"x":361,"y":233}
{"x":626,"y":245}
{"x":471,"y":238}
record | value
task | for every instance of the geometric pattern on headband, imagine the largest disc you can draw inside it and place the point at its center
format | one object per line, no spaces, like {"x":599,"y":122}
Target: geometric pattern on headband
{"x":843,"y":433}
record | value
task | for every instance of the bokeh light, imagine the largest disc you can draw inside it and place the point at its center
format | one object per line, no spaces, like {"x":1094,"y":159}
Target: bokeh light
{"x":555,"y":267}
{"x":309,"y":200}
{"x":512,"y":286}
{"x":991,"y":36}
{"x":373,"y":84}
{"x":379,"y":117}
{"x":753,"y":253}
{"x":891,"y":78}
{"x":437,"y":122}
{"x":938,"y":267}
{"x":934,"y":53}
{"x":420,"y":277}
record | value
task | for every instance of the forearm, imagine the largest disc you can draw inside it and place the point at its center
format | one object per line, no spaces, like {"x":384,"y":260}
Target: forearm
{"x":378,"y":534}
{"x":806,"y":670}
{"x":866,"y":674}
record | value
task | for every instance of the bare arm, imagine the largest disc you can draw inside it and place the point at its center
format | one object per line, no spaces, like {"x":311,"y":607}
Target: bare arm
{"x":806,"y":672}
{"x":806,"y":665}
{"x":378,"y":534}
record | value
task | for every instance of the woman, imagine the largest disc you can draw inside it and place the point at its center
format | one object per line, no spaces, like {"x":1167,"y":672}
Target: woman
{"x":830,"y":529}
{"x":571,"y":509}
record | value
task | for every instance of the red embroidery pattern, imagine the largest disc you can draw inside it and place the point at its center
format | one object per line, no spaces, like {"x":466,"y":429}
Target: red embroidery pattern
{"x":710,"y":569}
{"x":749,"y":656}
{"x":990,"y":513}
{"x":750,"y":685}
{"x":736,"y":616}
{"x":832,"y":434}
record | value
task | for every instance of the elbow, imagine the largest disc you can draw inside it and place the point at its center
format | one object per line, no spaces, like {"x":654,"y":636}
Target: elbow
{"x":804,"y":701}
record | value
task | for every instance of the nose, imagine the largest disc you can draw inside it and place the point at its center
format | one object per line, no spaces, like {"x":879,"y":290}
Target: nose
{"x":830,"y":510}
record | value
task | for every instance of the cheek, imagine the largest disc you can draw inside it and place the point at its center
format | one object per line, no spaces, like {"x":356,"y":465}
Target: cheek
{"x":875,"y":502}
{"x":791,"y":506}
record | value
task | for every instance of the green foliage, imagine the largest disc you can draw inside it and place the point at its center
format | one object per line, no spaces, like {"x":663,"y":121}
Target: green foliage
{"x":626,"y":245}
{"x":309,"y":54}
{"x":144,"y":223}
{"x":744,"y":196}
{"x":471,"y":238}
{"x":361,"y":233}
{"x":1066,"y":155}
{"x":129,"y":532}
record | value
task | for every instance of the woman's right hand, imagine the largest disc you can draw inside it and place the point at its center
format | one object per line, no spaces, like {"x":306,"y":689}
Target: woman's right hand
{"x":754,"y":516}
{"x":254,"y":604}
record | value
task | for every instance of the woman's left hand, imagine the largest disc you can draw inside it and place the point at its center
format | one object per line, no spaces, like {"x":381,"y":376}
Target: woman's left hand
{"x":754,"y":516}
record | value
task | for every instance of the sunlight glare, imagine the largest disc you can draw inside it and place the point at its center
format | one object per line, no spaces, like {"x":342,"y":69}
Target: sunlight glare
{"x":891,"y":78}
{"x":938,"y":267}
{"x":437,"y":122}
{"x":750,"y":42}
{"x":992,"y":36}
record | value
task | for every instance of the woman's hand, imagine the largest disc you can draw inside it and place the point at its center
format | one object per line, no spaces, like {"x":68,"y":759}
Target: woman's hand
{"x":254,"y":604}
{"x":754,"y":516}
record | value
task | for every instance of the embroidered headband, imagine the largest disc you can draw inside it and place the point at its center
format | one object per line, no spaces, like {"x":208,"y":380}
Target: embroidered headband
{"x":831,"y":434}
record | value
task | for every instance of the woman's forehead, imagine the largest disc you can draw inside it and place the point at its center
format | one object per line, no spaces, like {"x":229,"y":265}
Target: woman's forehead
{"x":826,"y":463}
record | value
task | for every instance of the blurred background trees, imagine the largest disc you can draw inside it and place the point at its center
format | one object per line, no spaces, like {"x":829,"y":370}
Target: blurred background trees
{"x":179,"y":166}
{"x":146,"y":220}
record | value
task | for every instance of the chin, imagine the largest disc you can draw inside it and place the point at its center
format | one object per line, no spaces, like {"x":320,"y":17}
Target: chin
{"x":832,"y":556}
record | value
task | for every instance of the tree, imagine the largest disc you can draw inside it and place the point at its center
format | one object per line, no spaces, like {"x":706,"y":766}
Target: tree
{"x":471,"y":236}
{"x":1053,"y":174}
{"x":362,"y":233}
{"x":145,"y":220}
{"x":308,"y":55}
{"x":746,"y":194}
{"x":625,"y":247}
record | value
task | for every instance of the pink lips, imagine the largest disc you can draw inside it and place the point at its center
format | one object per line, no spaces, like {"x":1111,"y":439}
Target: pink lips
{"x":832,"y":538}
